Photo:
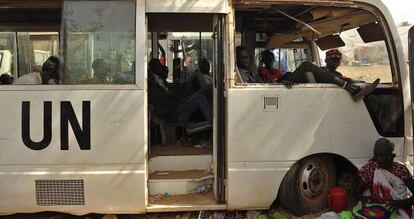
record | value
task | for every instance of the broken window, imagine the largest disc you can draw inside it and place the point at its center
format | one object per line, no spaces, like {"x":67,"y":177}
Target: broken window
{"x":298,"y":33}
{"x":363,"y":61}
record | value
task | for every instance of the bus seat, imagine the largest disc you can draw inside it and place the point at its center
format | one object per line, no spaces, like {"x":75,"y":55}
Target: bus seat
{"x":198,"y":127}
{"x":168,"y":130}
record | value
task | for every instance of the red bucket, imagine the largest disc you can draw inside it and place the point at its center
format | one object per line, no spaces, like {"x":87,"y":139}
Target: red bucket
{"x":337,"y":199}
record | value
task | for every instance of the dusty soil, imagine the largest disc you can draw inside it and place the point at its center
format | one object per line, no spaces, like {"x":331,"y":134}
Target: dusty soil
{"x":368,"y":73}
{"x":173,"y":215}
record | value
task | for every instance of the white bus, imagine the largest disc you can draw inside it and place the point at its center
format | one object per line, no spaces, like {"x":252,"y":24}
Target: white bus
{"x":96,"y":146}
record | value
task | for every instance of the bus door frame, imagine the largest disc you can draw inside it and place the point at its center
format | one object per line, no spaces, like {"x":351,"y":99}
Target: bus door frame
{"x":411,"y":71}
{"x":219,"y":98}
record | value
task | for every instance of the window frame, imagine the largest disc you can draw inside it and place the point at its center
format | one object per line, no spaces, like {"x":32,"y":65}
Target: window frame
{"x":140,"y":60}
{"x":389,"y":43}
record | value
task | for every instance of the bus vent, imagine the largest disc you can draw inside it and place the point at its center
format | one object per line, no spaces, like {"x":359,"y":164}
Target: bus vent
{"x":60,"y":192}
{"x":271,"y":103}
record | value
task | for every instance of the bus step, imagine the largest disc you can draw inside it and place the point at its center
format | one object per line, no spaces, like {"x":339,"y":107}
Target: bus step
{"x":163,"y":183}
{"x":180,"y":163}
{"x":186,"y":202}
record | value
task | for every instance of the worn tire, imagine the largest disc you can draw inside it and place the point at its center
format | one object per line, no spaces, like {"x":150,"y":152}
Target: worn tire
{"x":305,"y":187}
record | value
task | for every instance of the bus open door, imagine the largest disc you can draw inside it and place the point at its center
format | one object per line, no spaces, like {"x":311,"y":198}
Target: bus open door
{"x":411,"y":69}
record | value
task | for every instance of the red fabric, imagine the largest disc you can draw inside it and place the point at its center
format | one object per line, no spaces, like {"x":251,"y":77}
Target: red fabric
{"x":367,"y":172}
{"x":162,"y":60}
{"x":270,"y":76}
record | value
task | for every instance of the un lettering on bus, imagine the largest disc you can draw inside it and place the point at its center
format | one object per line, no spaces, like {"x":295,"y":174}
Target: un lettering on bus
{"x":67,"y":116}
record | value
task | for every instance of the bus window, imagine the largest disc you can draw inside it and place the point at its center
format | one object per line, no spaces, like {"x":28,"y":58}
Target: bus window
{"x":25,"y":52}
{"x":364,"y":51}
{"x":34,"y":48}
{"x":363,"y":61}
{"x":189,"y":48}
{"x":8,"y":53}
{"x":99,"y":42}
{"x":286,"y":59}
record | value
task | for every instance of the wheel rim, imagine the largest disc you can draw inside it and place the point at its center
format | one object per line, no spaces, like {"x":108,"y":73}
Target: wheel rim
{"x":313,"y":179}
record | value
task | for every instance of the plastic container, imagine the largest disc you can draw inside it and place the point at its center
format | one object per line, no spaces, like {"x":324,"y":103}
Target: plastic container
{"x":337,"y":199}
{"x":345,"y":215}
{"x":374,"y":211}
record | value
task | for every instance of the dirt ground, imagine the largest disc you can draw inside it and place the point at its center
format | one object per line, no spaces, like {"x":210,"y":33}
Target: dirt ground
{"x":367,"y":73}
{"x":175,"y":215}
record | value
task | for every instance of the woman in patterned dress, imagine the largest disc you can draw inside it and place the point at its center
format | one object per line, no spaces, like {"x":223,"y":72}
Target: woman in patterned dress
{"x":387,"y":181}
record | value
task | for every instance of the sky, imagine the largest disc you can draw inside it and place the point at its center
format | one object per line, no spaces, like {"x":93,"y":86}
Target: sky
{"x":401,"y":10}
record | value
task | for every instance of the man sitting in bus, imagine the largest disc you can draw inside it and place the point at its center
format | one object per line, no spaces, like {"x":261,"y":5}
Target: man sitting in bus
{"x":333,"y":60}
{"x":202,"y":76}
{"x":386,"y":181}
{"x":100,"y":71}
{"x":173,"y":108}
{"x":48,"y":75}
{"x":267,"y":72}
{"x":243,"y":64}
{"x":328,"y":75}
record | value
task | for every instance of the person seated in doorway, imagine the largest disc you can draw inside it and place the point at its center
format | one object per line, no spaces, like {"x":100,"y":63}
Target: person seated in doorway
{"x":386,"y":181}
{"x":48,"y":75}
{"x":100,"y":71}
{"x":173,"y":108}
{"x":267,"y":72}
{"x":202,"y":76}
{"x":333,"y":60}
{"x":6,"y":79}
{"x":243,"y":64}
{"x":328,"y":75}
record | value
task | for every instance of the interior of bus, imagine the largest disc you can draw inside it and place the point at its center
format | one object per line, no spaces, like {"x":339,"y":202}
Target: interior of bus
{"x":183,"y":55}
{"x":184,"y":45}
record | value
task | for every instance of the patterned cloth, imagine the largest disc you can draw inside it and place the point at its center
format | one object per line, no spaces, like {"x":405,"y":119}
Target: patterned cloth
{"x":367,"y":172}
{"x":387,"y":185}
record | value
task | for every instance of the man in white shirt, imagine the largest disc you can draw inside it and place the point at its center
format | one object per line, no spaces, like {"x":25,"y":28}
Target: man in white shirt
{"x":49,"y":74}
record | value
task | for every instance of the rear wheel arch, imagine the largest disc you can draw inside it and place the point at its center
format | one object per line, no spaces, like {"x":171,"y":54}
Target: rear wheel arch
{"x":305,"y":186}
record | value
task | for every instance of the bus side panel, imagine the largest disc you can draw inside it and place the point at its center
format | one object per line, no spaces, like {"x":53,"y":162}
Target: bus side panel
{"x":110,"y":170}
{"x":263,"y":141}
{"x":106,"y":189}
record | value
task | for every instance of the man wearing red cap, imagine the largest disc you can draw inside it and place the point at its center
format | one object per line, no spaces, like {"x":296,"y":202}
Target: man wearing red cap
{"x":333,"y":60}
{"x":329,"y":75}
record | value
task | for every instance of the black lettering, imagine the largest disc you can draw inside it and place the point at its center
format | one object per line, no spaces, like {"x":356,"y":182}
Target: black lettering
{"x":47,"y":126}
{"x":83,"y":135}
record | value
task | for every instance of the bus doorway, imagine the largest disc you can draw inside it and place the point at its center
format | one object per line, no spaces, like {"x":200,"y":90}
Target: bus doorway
{"x":182,"y":150}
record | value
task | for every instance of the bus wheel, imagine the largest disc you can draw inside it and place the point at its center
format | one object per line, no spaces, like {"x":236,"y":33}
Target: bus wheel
{"x":306,"y":185}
